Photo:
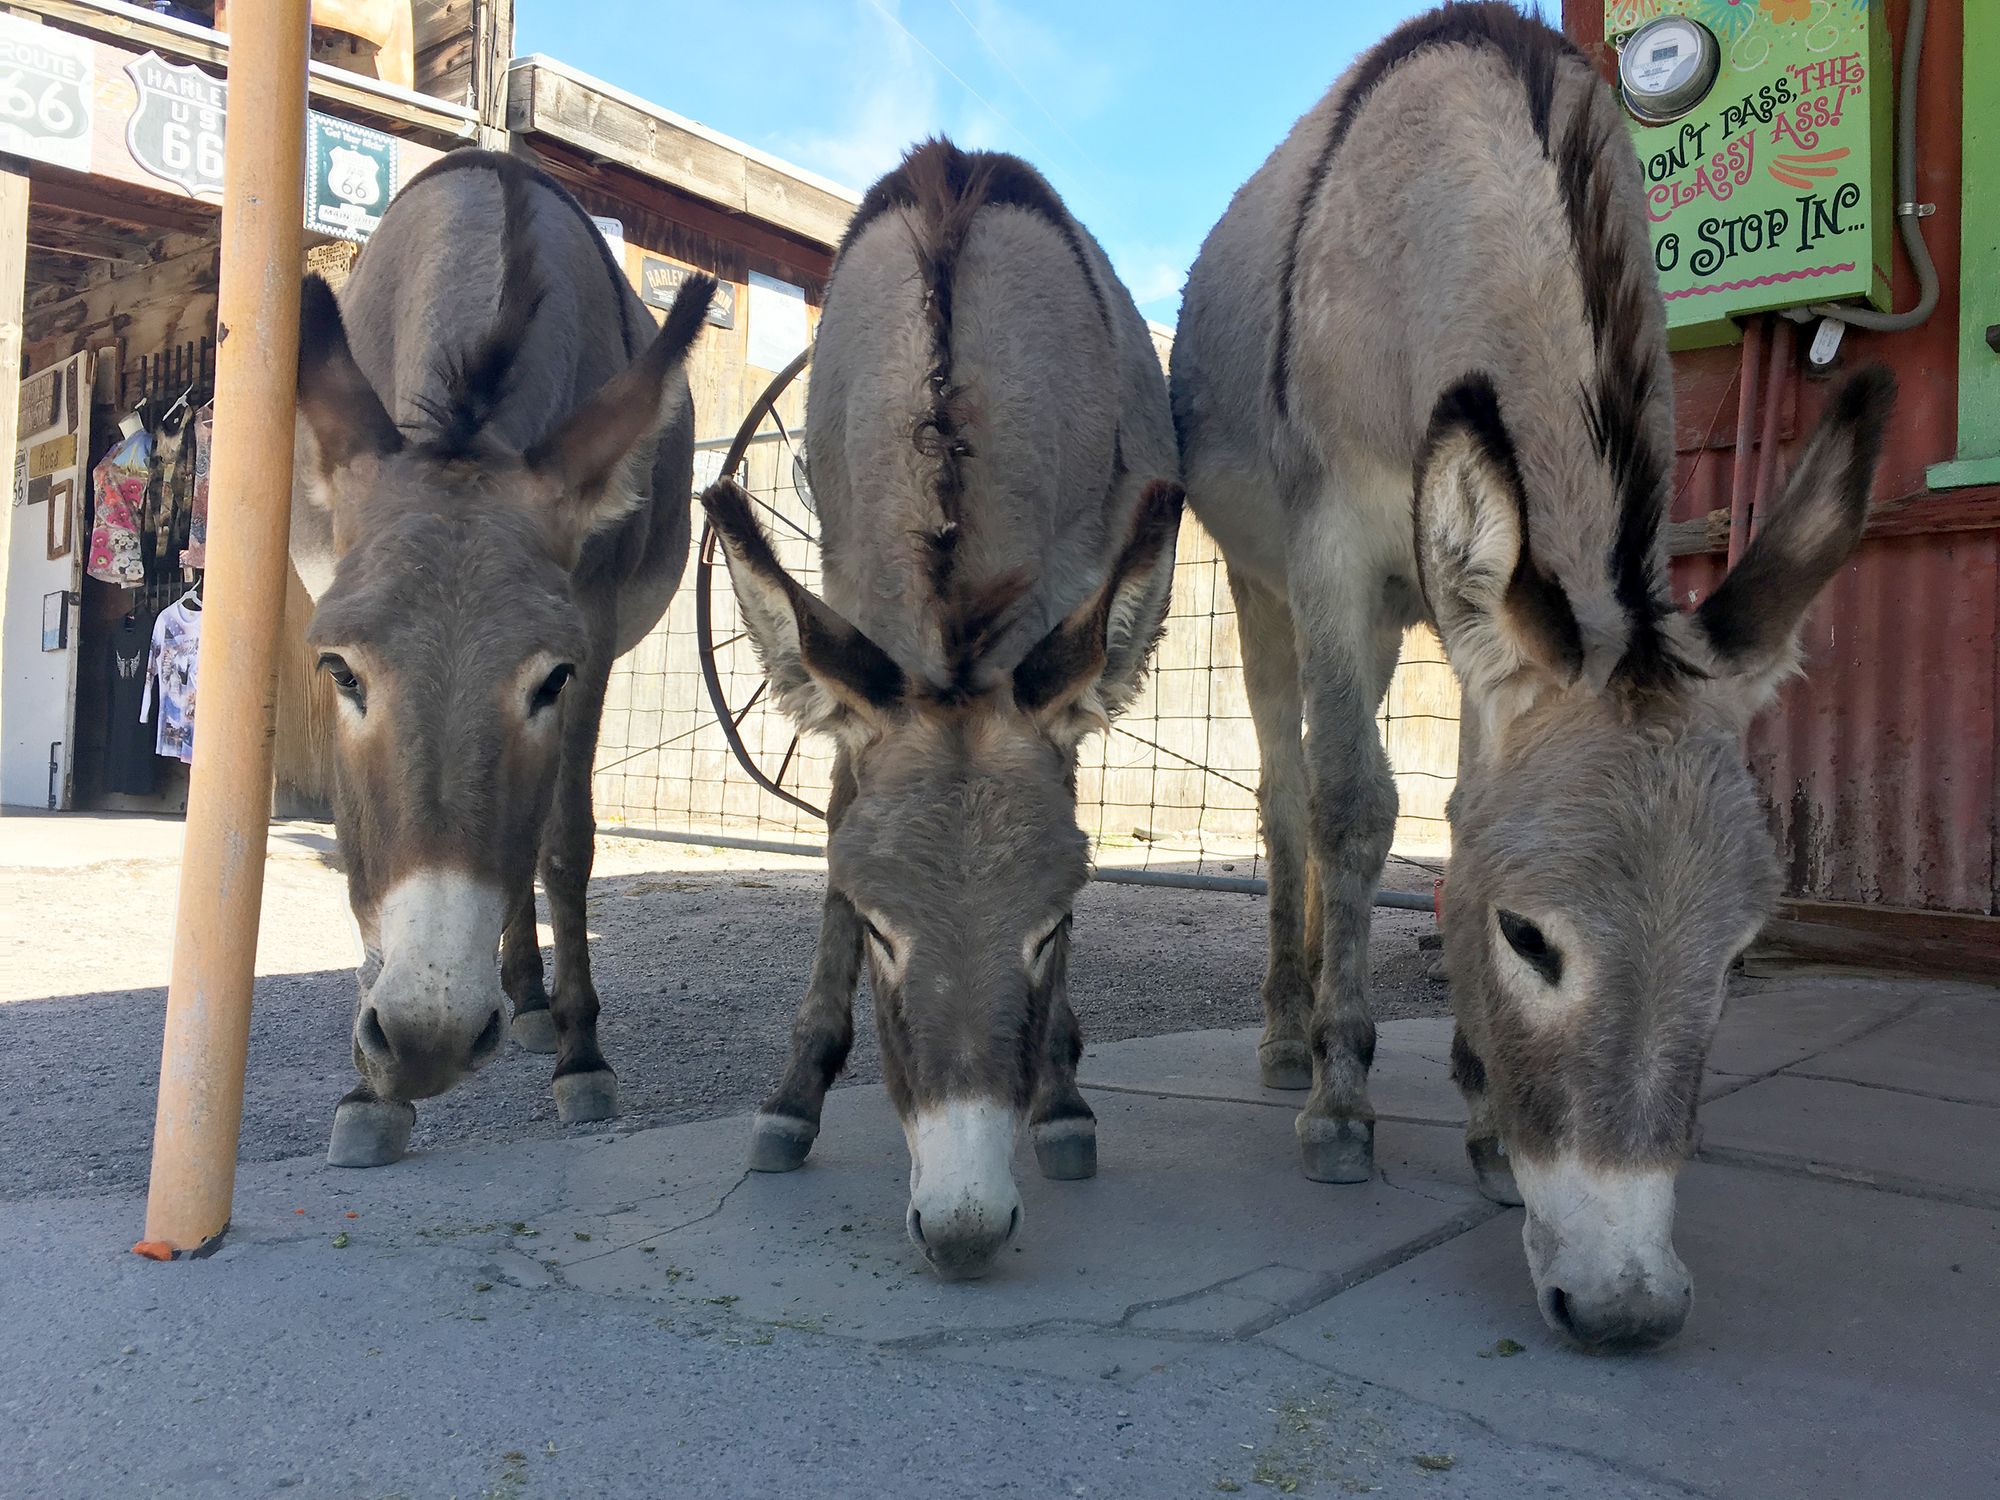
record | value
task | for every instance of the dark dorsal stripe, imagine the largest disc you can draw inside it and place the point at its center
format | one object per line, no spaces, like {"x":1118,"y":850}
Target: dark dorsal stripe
{"x":1531,"y":49}
{"x":943,"y":188}
{"x":476,"y":380}
{"x":1616,"y":280}
{"x":504,"y":166}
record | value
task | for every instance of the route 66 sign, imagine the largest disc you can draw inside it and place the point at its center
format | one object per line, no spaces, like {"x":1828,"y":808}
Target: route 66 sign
{"x":45,"y":94}
{"x":176,"y":128}
{"x":351,"y":173}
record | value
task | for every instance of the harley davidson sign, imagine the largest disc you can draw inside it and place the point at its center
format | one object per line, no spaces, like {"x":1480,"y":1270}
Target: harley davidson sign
{"x":175,"y":131}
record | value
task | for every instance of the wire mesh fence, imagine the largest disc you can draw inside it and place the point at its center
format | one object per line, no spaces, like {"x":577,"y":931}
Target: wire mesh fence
{"x":1170,"y":790}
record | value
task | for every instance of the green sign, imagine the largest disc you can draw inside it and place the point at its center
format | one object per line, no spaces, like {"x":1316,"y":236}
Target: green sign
{"x":1773,"y":190}
{"x":350,"y":176}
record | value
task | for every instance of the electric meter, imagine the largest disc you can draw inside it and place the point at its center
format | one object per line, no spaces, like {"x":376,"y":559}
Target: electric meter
{"x":1763,"y":137}
{"x":1667,"y":68}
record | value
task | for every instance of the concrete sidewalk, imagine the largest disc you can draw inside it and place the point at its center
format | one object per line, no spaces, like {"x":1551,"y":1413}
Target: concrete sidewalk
{"x":634,"y":1315}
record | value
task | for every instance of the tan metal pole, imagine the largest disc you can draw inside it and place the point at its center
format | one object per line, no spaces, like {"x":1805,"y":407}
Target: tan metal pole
{"x":229,"y":798}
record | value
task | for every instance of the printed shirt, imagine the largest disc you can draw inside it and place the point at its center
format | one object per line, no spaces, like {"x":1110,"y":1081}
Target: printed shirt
{"x":116,"y":554}
{"x":171,"y":671}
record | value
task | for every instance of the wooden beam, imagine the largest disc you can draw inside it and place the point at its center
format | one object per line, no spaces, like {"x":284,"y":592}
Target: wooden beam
{"x":1964,"y":945}
{"x":1931,"y":513}
{"x":604,"y":125}
{"x":78,"y":193}
{"x":350,"y":92}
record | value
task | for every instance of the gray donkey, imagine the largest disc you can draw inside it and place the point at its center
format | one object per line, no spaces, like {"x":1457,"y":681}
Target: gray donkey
{"x":993,"y":460}
{"x":1421,"y":374}
{"x":496,"y":456}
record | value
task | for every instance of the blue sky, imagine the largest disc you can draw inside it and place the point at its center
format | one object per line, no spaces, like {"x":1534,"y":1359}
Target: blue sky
{"x":1145,"y":116}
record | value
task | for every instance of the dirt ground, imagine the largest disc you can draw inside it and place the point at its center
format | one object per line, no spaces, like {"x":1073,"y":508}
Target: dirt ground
{"x":699,"y":957}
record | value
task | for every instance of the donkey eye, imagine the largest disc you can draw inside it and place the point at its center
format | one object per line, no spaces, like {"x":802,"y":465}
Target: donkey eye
{"x":1528,"y":940}
{"x":551,"y":688}
{"x":344,"y":680}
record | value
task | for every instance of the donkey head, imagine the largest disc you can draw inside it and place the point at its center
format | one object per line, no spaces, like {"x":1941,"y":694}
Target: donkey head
{"x":959,"y":847}
{"x":450,"y":630}
{"x":1610,"y":859}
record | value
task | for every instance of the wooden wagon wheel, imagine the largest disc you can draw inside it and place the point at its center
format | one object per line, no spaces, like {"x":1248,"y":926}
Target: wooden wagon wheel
{"x":731,"y":715}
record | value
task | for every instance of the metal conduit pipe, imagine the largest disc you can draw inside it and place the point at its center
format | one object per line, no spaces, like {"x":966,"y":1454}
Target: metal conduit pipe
{"x":1907,"y":207}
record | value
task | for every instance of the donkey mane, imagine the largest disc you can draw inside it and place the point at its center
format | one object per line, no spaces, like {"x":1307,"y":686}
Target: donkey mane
{"x":473,"y":381}
{"x":1610,"y":268}
{"x":943,"y":188}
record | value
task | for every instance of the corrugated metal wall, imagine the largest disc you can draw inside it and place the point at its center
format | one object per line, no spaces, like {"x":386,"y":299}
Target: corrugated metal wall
{"x":1880,"y":767}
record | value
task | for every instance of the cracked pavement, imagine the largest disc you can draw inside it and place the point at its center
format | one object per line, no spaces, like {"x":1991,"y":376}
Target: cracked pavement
{"x":631,"y":1313}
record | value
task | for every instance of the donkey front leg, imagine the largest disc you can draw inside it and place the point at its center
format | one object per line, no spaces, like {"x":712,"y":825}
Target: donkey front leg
{"x":1271,"y":679}
{"x":585,"y":1087}
{"x":1483,"y":1146}
{"x":823,"y":1030}
{"x":1349,"y":647}
{"x":1062,"y":1124}
{"x":534,"y":1025}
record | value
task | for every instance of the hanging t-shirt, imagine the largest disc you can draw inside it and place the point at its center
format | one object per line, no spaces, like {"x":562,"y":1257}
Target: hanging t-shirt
{"x":170,"y":674}
{"x":195,"y":555}
{"x":130,"y":766}
{"x":117,"y":554}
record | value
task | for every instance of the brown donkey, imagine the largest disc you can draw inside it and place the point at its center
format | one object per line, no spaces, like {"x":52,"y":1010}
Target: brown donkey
{"x":496,"y":455}
{"x":1422,"y":375}
{"x":993,"y":461}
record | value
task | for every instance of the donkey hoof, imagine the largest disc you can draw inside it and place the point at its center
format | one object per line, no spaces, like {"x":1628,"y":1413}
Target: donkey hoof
{"x":1066,"y":1150}
{"x":534,"y":1030}
{"x":1285,"y":1065}
{"x":584,"y":1097}
{"x":779,"y":1143}
{"x":1337,"y":1150}
{"x":370,"y":1132}
{"x":1490,"y":1168}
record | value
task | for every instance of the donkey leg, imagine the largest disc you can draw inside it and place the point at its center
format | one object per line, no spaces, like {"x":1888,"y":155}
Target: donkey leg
{"x":1060,"y":1121}
{"x":1488,"y":1154}
{"x":585,"y":1087}
{"x":534,"y":1025}
{"x":1349,"y":648}
{"x":823,"y":1029}
{"x":1271,"y":678}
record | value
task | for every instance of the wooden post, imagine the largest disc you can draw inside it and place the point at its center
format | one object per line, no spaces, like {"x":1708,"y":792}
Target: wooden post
{"x":229,"y":797}
{"x":13,"y":292}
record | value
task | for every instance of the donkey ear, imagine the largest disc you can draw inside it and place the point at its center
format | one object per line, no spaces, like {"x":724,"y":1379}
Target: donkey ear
{"x":1752,"y":619}
{"x":1498,"y":613}
{"x":596,"y":462}
{"x":337,"y":405}
{"x":1087,"y":671}
{"x":823,"y":672}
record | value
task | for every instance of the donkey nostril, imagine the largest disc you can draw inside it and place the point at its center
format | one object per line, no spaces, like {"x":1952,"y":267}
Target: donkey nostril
{"x":917,"y":1229}
{"x":1014,"y":1222}
{"x":373,"y":1037}
{"x":488,"y":1038}
{"x":1559,"y":1310}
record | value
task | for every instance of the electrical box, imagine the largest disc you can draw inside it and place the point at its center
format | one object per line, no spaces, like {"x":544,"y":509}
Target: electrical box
{"x":1764,"y":133}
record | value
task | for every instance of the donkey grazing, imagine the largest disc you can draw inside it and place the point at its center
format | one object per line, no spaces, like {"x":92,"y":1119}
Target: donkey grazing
{"x":496,"y":454}
{"x":993,"y":460}
{"x":1421,"y":375}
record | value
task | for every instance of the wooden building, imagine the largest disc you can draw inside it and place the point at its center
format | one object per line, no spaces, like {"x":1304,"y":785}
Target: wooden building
{"x":110,"y":189}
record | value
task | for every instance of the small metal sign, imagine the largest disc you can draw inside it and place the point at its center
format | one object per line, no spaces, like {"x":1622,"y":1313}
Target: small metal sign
{"x":176,"y":128}
{"x":660,"y":279}
{"x":353,"y":174}
{"x":46,"y":94}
